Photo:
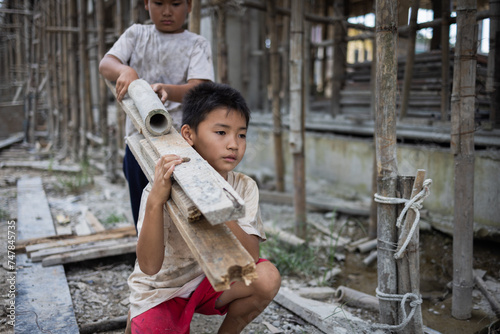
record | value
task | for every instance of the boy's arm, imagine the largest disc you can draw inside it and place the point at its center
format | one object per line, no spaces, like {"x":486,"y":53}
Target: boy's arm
{"x":150,"y":245}
{"x":113,"y":69}
{"x":249,"y":241}
{"x":174,"y":93}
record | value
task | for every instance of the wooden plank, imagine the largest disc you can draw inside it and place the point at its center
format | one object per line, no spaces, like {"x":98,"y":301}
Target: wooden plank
{"x":89,"y":254}
{"x":17,"y":137}
{"x":92,"y":221}
{"x":34,"y":244}
{"x":39,"y":255}
{"x":217,"y":250}
{"x":212,"y":195}
{"x":147,"y":158}
{"x":328,"y":317}
{"x":37,"y":308}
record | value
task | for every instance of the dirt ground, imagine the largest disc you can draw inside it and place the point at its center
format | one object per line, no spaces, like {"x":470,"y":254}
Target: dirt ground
{"x":99,"y":289}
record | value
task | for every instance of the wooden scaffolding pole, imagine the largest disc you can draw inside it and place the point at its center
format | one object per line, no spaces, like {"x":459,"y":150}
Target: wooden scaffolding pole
{"x":410,"y":59}
{"x":221,"y":44}
{"x":462,"y":147}
{"x":297,"y":116}
{"x":408,"y":265}
{"x":84,"y":83}
{"x":285,"y":57}
{"x":445,"y":60}
{"x":279,"y":162}
{"x":385,"y":148}
{"x":74,"y":123}
{"x":339,"y":56}
{"x":195,"y":17}
{"x":103,"y":90}
{"x":65,"y":115}
{"x":493,"y":76}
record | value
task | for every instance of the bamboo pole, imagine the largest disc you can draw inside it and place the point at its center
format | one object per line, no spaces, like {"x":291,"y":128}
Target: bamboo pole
{"x":372,"y":227}
{"x":49,"y":59}
{"x":445,"y":60}
{"x":297,"y":116}
{"x":195,"y":17}
{"x":385,"y":135}
{"x":462,"y":146}
{"x":493,"y":75}
{"x":65,"y":115}
{"x":285,"y":58}
{"x":408,"y":265}
{"x":410,"y":58}
{"x":74,"y":123}
{"x":82,"y":87}
{"x":339,"y":57}
{"x":103,"y":90}
{"x":276,"y":105}
{"x":221,"y":45}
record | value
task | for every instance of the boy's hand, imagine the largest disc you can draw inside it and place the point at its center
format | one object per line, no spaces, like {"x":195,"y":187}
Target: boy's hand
{"x":162,"y":184}
{"x":127,"y":75}
{"x":161,"y":91}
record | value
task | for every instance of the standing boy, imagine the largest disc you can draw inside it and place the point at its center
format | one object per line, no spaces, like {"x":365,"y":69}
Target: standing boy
{"x":167,"y":285}
{"x":170,"y":58}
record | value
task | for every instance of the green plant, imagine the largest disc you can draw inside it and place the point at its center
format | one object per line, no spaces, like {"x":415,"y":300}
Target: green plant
{"x":75,"y":182}
{"x":291,"y":260}
{"x":114,"y":218}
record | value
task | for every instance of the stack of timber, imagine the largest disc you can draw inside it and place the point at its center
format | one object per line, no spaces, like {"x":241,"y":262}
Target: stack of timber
{"x":425,"y":94}
{"x":201,"y":200}
{"x":72,"y":248}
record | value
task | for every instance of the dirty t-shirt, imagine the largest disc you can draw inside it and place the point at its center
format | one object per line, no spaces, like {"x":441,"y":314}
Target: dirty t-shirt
{"x":164,"y":58}
{"x":180,"y":274}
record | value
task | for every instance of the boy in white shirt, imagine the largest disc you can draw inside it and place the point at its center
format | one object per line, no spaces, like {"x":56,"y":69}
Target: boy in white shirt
{"x":171,"y":59}
{"x":167,"y":285}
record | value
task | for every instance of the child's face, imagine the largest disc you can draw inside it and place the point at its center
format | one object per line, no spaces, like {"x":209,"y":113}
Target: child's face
{"x":168,"y":15}
{"x":220,"y":139}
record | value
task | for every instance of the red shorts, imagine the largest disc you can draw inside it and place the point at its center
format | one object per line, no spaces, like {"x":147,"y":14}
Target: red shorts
{"x":175,"y":315}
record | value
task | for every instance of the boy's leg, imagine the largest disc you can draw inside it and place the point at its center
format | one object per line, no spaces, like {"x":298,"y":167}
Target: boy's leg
{"x":136,"y":180}
{"x":245,"y":303}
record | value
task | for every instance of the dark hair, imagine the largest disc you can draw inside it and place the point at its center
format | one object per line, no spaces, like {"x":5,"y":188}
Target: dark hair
{"x":207,"y":96}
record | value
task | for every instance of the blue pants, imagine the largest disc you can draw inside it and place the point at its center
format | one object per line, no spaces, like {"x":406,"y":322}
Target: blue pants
{"x":137,"y":181}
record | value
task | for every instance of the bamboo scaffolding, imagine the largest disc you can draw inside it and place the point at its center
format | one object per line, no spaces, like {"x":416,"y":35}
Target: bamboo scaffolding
{"x":445,"y":60}
{"x":493,"y":75}
{"x":462,"y":147}
{"x":385,"y":147}
{"x":276,"y":105}
{"x":339,"y":57}
{"x":297,"y":117}
{"x":221,"y":45}
{"x":410,"y":59}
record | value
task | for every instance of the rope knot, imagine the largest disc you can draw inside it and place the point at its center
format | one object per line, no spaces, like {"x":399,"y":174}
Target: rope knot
{"x":415,"y":204}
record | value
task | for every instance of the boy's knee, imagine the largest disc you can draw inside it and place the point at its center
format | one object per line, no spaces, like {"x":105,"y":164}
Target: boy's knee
{"x":269,"y":281}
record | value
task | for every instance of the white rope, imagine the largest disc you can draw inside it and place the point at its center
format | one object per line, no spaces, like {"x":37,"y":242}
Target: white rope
{"x":415,"y":300}
{"x":415,"y":204}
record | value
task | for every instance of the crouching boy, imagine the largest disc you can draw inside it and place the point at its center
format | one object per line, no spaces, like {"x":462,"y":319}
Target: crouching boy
{"x":167,"y":284}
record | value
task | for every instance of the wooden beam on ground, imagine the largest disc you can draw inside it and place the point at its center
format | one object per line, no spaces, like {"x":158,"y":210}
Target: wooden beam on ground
{"x":197,"y":178}
{"x":15,"y":138}
{"x":35,"y":244}
{"x":38,"y":308}
{"x":70,"y":250}
{"x":318,"y":204}
{"x":109,"y":248}
{"x":328,"y":317}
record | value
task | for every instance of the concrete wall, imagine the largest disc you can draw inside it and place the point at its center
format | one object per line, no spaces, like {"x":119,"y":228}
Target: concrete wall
{"x":342,"y":166}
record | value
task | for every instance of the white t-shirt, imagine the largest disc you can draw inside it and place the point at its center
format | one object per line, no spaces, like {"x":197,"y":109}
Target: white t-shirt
{"x":180,"y":274}
{"x":165,"y":58}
